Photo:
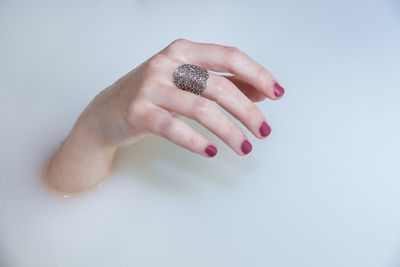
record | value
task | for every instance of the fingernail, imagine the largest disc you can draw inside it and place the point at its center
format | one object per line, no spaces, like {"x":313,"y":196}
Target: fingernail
{"x":278,"y":90}
{"x":211,"y":150}
{"x":246,"y":147}
{"x":265,"y":130}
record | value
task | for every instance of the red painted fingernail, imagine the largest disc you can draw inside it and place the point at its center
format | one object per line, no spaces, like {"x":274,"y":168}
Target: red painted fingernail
{"x":246,"y":147}
{"x":211,"y":150}
{"x":278,"y":90}
{"x":265,"y":130}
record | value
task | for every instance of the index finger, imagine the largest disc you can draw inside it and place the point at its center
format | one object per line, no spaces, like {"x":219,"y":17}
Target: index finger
{"x":229,"y":59}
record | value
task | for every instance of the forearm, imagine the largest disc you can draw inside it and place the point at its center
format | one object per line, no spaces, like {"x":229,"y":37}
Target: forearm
{"x":83,"y":160}
{"x":145,"y":101}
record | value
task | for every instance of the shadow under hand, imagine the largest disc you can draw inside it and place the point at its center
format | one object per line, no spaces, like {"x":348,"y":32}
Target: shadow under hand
{"x":169,"y":168}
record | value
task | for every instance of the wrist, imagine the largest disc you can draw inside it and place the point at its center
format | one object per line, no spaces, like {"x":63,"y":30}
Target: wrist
{"x":84,"y":158}
{"x":88,"y":127}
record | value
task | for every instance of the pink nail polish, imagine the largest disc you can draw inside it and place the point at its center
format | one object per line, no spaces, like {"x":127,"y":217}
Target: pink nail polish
{"x":211,"y":150}
{"x":265,"y":130}
{"x":246,"y":147}
{"x":278,"y":90}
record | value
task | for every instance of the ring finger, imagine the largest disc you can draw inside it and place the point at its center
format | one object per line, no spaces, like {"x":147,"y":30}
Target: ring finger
{"x":232,"y":99}
{"x":225,"y":93}
{"x":205,"y":112}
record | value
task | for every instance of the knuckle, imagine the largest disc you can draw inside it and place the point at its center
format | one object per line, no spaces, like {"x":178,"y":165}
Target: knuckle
{"x":202,"y":107}
{"x":260,"y":74}
{"x":191,"y":142}
{"x":136,"y":109}
{"x":232,"y":131}
{"x":168,"y":128}
{"x":232,"y":50}
{"x":176,"y":45}
{"x":233,"y":54}
{"x":136,"y":115}
{"x":251,"y":110}
{"x":179,"y":42}
{"x":156,"y":61}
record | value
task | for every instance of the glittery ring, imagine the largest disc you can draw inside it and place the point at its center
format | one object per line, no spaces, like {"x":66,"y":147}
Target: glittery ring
{"x":191,"y":78}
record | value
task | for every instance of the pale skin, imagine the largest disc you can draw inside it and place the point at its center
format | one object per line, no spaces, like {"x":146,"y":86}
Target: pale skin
{"x":146,"y":101}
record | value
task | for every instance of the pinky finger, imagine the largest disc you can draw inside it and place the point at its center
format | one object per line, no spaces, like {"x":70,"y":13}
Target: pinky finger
{"x":164,"y":124}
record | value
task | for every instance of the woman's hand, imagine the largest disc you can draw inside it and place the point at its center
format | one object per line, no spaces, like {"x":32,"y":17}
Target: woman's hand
{"x":147,"y":101}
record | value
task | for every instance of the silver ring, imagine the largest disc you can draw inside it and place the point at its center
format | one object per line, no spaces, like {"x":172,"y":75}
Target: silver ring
{"x":191,"y":78}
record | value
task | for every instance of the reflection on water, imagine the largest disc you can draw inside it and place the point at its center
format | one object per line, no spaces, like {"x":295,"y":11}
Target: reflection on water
{"x":145,"y":180}
{"x":171,"y":169}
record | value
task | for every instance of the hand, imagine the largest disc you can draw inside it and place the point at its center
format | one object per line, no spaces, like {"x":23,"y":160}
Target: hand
{"x":146,"y":101}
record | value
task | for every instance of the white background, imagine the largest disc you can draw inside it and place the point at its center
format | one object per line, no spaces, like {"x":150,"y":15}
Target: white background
{"x":321,"y":190}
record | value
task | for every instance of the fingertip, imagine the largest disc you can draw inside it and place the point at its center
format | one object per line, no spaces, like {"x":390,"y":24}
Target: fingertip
{"x":278,"y":90}
{"x":211,"y":150}
{"x":264,"y":129}
{"x":246,"y":147}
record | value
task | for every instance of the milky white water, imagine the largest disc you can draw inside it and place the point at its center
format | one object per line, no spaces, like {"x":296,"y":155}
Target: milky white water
{"x":322,"y":190}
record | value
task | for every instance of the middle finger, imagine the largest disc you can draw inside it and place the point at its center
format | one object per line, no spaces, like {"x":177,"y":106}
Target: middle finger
{"x":232,"y":99}
{"x":225,"y":93}
{"x":205,"y":112}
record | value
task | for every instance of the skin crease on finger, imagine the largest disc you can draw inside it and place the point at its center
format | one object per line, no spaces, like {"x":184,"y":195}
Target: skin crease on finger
{"x":121,"y":115}
{"x":247,"y":89}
